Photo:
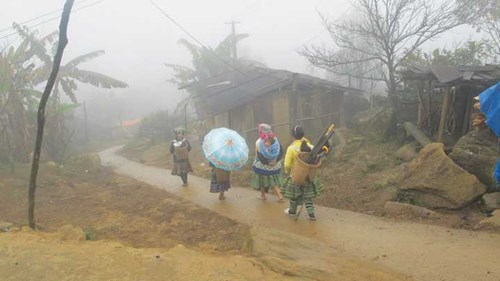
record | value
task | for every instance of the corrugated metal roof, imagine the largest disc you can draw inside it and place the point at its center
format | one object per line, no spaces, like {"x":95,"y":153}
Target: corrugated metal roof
{"x":451,"y":75}
{"x":446,"y":74}
{"x":234,"y":88}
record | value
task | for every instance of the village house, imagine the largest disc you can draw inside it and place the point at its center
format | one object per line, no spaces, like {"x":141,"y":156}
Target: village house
{"x":445,"y":97}
{"x":243,"y":98}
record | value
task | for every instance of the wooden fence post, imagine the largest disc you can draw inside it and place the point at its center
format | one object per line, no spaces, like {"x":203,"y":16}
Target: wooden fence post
{"x":444,"y":112}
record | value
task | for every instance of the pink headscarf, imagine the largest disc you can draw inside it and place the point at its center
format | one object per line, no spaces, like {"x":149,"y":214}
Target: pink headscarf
{"x":265,"y":131}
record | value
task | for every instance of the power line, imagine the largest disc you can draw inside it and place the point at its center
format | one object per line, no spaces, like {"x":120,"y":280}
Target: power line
{"x":39,"y":17}
{"x":54,"y":18}
{"x":194,"y":38}
{"x":177,"y":24}
{"x":211,"y":51}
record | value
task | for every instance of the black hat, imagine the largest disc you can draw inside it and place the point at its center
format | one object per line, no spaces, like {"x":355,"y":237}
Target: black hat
{"x":298,"y":132}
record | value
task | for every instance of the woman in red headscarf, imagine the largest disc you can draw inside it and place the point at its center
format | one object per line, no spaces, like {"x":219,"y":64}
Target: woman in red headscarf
{"x":267,"y":164}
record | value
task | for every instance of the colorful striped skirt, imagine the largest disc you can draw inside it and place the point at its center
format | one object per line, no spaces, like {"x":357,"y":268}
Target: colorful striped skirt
{"x":266,"y":182}
{"x":307,"y":191}
{"x":216,"y":187}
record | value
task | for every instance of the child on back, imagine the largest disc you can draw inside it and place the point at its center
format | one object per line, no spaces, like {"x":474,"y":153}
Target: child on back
{"x":267,"y":163}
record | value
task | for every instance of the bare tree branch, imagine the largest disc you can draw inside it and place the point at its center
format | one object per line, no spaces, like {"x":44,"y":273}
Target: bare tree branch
{"x":383,"y":32}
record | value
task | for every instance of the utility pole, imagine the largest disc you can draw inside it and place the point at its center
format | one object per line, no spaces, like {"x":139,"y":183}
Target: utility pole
{"x":86,"y":120}
{"x":233,"y":33}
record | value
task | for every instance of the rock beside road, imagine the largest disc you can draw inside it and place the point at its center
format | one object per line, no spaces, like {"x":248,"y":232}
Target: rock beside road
{"x":403,"y":209}
{"x":492,"y":201}
{"x":433,"y":180}
{"x":5,"y":226}
{"x":407,"y":152}
{"x":494,"y":220}
{"x":477,"y":153}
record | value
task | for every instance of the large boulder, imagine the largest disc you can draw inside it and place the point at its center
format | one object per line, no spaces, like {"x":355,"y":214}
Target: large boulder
{"x":492,"y":201}
{"x":433,"y":180}
{"x":493,"y":220}
{"x":407,"y":152}
{"x":477,"y":153}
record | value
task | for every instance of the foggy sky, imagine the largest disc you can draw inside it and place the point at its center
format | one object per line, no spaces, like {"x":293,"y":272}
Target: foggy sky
{"x":138,"y":39}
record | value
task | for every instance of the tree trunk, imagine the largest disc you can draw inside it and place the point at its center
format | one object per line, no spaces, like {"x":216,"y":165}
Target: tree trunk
{"x":416,"y":133}
{"x":392,"y":88}
{"x":63,"y":41}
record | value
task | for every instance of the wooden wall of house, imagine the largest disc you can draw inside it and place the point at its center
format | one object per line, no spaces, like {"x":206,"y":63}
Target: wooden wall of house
{"x":271,"y":109}
{"x":315,"y":110}
{"x":281,"y":116}
{"x":221,"y":119}
{"x":209,"y":122}
{"x":241,"y":119}
{"x":303,"y":108}
{"x":457,"y":121}
{"x":263,"y":109}
{"x":332,"y":108}
{"x":236,"y":119}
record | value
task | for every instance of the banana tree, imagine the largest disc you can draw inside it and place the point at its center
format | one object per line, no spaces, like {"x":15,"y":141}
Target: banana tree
{"x":70,"y":74}
{"x":21,"y":68}
{"x":206,"y":62}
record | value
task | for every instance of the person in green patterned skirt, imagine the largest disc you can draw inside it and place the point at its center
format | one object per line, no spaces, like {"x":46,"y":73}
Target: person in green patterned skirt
{"x":267,"y":164}
{"x":299,"y":194}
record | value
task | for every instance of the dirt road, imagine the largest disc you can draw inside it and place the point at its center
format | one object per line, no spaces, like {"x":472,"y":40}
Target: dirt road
{"x":424,"y":252}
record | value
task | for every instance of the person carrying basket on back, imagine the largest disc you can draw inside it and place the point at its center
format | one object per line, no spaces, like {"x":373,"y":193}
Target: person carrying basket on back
{"x":305,"y":191}
{"x":180,"y":147}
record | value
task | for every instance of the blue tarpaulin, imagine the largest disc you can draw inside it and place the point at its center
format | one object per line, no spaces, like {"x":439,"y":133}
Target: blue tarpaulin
{"x":496,"y":174}
{"x":489,"y":101}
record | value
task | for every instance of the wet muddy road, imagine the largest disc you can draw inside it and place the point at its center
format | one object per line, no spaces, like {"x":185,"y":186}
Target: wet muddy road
{"x":424,"y":252}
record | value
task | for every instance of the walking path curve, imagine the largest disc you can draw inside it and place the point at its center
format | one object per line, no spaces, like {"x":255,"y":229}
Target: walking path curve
{"x":424,"y":252}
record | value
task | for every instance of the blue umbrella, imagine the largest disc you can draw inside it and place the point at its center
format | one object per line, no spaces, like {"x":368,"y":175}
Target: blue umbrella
{"x":225,"y":149}
{"x":489,"y":101}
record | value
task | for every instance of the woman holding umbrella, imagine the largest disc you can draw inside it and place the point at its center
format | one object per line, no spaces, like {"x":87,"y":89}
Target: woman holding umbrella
{"x":226,"y":151}
{"x":221,"y":183}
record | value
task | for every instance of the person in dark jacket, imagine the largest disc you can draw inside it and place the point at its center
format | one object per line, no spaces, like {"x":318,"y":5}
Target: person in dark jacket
{"x":180,"y":148}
